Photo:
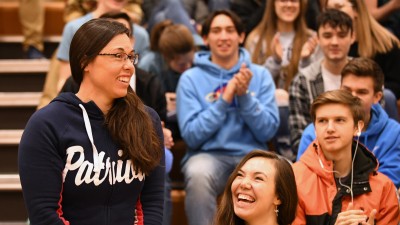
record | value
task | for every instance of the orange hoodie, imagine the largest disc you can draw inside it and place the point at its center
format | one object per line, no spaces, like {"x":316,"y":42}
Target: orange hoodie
{"x":321,"y":199}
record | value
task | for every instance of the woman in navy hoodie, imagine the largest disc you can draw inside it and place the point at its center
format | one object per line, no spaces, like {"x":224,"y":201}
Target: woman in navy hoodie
{"x":95,"y":157}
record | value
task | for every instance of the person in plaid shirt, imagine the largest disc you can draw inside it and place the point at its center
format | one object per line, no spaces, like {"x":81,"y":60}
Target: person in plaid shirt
{"x":335,"y":36}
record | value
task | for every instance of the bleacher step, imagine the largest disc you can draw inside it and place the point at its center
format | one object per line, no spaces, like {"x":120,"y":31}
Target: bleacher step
{"x":16,"y":108}
{"x":10,"y":137}
{"x":9,"y":142}
{"x":11,"y":46}
{"x":14,"y":223}
{"x":24,"y":66}
{"x":21,"y":99}
{"x":10,"y":22}
{"x":12,"y":208}
{"x":23,"y":75}
{"x":10,"y":182}
{"x":20,"y":38}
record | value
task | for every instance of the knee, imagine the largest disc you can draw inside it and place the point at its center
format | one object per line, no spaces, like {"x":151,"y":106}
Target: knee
{"x":198,"y":171}
{"x":175,"y":3}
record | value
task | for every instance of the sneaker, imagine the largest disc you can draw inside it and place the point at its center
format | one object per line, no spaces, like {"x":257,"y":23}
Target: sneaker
{"x":34,"y":53}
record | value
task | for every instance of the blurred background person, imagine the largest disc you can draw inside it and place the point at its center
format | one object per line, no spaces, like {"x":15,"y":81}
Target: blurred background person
{"x":276,"y":43}
{"x":31,"y":14}
{"x":172,"y":52}
{"x":387,"y":12}
{"x":225,"y":108}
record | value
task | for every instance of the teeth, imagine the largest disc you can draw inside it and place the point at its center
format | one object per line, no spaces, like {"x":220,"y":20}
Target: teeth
{"x":123,"y":79}
{"x":243,"y":197}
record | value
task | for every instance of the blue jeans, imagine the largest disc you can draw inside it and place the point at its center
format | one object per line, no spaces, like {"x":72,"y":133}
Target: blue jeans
{"x":390,"y":104}
{"x":167,"y":202}
{"x":205,"y":178}
{"x":282,"y":136}
{"x":218,"y":4}
{"x":173,"y":10}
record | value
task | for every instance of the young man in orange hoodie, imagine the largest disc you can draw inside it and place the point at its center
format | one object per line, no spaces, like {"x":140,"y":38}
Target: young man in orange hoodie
{"x":337,"y":176}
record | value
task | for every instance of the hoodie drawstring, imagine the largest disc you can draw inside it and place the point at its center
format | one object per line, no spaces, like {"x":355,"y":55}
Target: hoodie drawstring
{"x":221,"y":82}
{"x":97,"y":164}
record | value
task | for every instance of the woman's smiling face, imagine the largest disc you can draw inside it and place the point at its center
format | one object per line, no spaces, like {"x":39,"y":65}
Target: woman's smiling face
{"x":287,"y":11}
{"x":109,"y":74}
{"x":253,"y":190}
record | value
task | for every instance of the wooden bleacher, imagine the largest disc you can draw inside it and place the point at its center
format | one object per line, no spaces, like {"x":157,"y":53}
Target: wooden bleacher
{"x":9,"y":17}
{"x":21,"y":83}
{"x":11,"y":31}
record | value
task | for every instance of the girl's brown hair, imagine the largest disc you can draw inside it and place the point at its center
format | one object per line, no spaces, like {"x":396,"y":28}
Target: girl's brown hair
{"x":372,"y":37}
{"x":128,"y":121}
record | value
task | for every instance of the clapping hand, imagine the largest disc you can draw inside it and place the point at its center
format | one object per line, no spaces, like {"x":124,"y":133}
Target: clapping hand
{"x":355,"y":217}
{"x":243,"y":78}
{"x":309,"y":47}
{"x":239,"y":84}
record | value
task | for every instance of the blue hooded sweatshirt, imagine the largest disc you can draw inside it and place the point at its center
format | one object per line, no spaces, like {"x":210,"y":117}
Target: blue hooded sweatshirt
{"x":209,"y":124}
{"x":72,"y":172}
{"x":382,"y":137}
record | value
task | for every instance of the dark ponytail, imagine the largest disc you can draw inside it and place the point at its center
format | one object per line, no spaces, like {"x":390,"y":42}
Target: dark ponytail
{"x":131,"y":126}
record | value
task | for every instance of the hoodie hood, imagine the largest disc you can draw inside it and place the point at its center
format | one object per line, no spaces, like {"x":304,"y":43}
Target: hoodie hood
{"x":202,"y":59}
{"x":378,"y":121}
{"x":71,"y":99}
{"x":87,"y":109}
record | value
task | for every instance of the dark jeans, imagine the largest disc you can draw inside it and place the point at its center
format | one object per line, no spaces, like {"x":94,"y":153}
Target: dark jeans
{"x":281,"y":140}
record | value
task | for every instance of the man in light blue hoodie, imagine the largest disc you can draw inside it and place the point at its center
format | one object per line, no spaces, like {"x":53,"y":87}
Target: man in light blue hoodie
{"x":225,"y":108}
{"x":364,"y":79}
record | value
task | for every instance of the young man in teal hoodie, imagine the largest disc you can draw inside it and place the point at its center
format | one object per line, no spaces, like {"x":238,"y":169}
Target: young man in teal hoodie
{"x":226,"y":108}
{"x":364,"y":79}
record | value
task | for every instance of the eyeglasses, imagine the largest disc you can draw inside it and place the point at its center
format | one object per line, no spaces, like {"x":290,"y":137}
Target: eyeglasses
{"x":122,"y":57}
{"x":287,"y":1}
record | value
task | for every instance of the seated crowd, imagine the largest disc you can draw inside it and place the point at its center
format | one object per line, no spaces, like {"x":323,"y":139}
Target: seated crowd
{"x":288,"y":125}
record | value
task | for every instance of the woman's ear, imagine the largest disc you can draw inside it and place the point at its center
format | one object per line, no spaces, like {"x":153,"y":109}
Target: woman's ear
{"x":84,"y":64}
{"x":277,"y":201}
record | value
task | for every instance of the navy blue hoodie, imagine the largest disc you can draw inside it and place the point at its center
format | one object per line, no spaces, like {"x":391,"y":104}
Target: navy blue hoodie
{"x":59,"y":154}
